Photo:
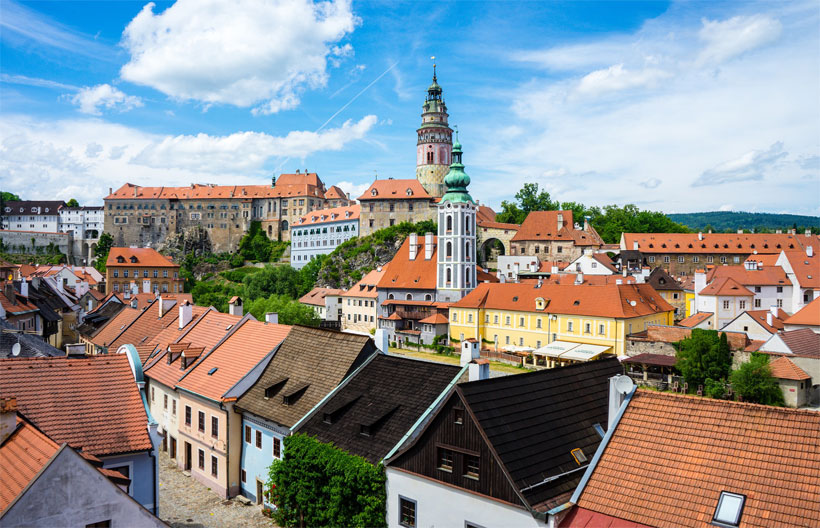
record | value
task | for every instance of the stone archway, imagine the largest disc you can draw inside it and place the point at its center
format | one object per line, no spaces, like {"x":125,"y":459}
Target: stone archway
{"x":495,"y":236}
{"x":489,"y":251}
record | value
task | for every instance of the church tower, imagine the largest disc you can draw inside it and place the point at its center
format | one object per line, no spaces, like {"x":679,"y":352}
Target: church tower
{"x":435,"y":142}
{"x":456,"y":234}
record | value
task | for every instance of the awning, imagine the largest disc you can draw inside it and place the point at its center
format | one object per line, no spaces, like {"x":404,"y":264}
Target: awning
{"x":555,"y":349}
{"x":515,"y":349}
{"x":585,"y":352}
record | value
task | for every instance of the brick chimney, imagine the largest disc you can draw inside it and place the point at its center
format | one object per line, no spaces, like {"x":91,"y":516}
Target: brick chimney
{"x":8,"y":417}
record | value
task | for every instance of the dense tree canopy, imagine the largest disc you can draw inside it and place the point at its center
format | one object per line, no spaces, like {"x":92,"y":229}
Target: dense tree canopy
{"x":290,"y":310}
{"x":73,"y":203}
{"x":8,"y":197}
{"x":753,"y":382}
{"x":103,"y":247}
{"x":256,"y":245}
{"x":703,"y":356}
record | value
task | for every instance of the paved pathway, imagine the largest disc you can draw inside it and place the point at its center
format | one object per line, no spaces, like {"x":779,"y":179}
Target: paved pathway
{"x":186,"y":503}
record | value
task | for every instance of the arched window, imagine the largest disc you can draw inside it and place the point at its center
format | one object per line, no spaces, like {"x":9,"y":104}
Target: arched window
{"x":449,"y":249}
{"x":449,"y":276}
{"x":390,"y":296}
{"x":430,"y":157}
{"x":449,"y":223}
{"x":409,"y":297}
{"x":467,"y":223}
{"x":467,"y":278}
{"x":284,"y":225}
{"x":467,"y":252}
{"x":428,"y":297}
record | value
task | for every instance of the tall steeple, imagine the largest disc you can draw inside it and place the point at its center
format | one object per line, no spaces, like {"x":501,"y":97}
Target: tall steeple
{"x":457,"y":180}
{"x":435,"y":140}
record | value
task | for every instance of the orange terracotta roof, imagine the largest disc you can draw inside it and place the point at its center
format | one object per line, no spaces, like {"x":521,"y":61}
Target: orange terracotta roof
{"x":91,"y":403}
{"x":395,"y":190}
{"x":543,"y":225}
{"x":335,"y":193}
{"x":768,"y":276}
{"x":114,"y":327}
{"x":23,"y":455}
{"x":809,"y":315}
{"x":418,"y":274}
{"x":784,"y":368}
{"x":807,"y":269}
{"x":754,"y":345}
{"x":729,"y":243}
{"x":767,"y":259}
{"x":582,"y":518}
{"x":489,"y":224}
{"x":726,"y":286}
{"x":334,"y":214}
{"x":233,"y":358}
{"x":316,"y":296}
{"x":366,"y":287}
{"x":595,"y":280}
{"x":286,"y":185}
{"x":695,"y":319}
{"x":481,"y":275}
{"x":20,"y":307}
{"x":146,"y":258}
{"x":85,"y":277}
{"x":434,"y":319}
{"x":761,"y":316}
{"x":611,"y":300}
{"x":546,"y":266}
{"x":485,"y":214}
{"x":671,"y":456}
{"x":392,"y":317}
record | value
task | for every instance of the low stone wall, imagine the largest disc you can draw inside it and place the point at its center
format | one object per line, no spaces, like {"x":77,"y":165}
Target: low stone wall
{"x":34,"y":242}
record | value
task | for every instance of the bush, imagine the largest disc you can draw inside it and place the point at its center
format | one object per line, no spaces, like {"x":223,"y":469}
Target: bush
{"x":715,"y":388}
{"x":317,"y":484}
{"x":290,"y":311}
{"x":704,"y":355}
{"x":753,"y":382}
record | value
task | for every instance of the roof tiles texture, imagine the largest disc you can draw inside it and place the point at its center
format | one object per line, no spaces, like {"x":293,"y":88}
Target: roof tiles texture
{"x":726,"y":286}
{"x":695,"y":319}
{"x":716,"y":242}
{"x":784,"y":368}
{"x":391,"y":189}
{"x":544,"y":225}
{"x":145,"y":257}
{"x":416,"y":274}
{"x":390,"y":392}
{"x":671,"y":456}
{"x":802,"y":342}
{"x":808,"y":315}
{"x":768,"y":276}
{"x":324,"y":216}
{"x":807,"y":269}
{"x":316,"y":296}
{"x":313,"y":356}
{"x":306,"y":184}
{"x":22,"y":456}
{"x":366,"y":287}
{"x":115,"y":326}
{"x":92,"y":403}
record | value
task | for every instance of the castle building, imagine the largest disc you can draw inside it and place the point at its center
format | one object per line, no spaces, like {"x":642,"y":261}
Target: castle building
{"x":435,"y":140}
{"x":455,"y":273}
{"x":389,"y":202}
{"x":321,"y":232}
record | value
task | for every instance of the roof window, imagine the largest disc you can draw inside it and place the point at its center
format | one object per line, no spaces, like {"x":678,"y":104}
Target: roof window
{"x":211,"y":372}
{"x":729,"y":509}
{"x":578,"y":455}
{"x":515,"y":299}
{"x":275,"y":387}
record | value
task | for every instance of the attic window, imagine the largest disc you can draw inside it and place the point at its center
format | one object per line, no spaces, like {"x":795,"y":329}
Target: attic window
{"x":211,"y":372}
{"x":578,"y":455}
{"x":275,"y":387}
{"x":294,"y":395}
{"x":576,"y":303}
{"x":133,"y":259}
{"x":729,"y":509}
{"x":515,"y":299}
{"x":364,"y":430}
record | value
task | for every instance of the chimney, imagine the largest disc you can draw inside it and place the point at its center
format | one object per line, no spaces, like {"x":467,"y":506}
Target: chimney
{"x":8,"y":417}
{"x":479,"y":369}
{"x":586,"y":223}
{"x":414,"y":240}
{"x":185,"y":314}
{"x":700,"y":235}
{"x":778,"y":231}
{"x":808,"y":232}
{"x":110,"y":190}
{"x":135,"y":191}
{"x":428,"y":246}
{"x":619,"y":281}
{"x":517,"y":268}
{"x":75,"y":350}
{"x":579,"y":278}
{"x":769,"y":316}
{"x":10,"y":294}
{"x":623,"y":272}
{"x":554,"y":269}
{"x":619,"y":387}
{"x":81,"y":288}
{"x":560,"y":221}
{"x":24,"y":288}
{"x":165,"y":305}
{"x":469,"y":351}
{"x":134,"y":303}
{"x":739,"y":231}
{"x":272,"y":318}
{"x":382,"y":341}
{"x":635,"y":246}
{"x":235,"y":306}
{"x":809,"y":251}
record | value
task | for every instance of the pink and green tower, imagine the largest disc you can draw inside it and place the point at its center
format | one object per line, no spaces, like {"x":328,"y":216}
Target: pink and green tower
{"x":435,"y":142}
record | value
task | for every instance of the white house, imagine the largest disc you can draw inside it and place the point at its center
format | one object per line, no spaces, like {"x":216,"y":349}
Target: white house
{"x":724,"y":297}
{"x":29,"y":215}
{"x":84,"y":222}
{"x":758,"y":324}
{"x":591,"y":263}
{"x":326,"y":302}
{"x":807,"y":317}
{"x":320,"y":232}
{"x":803,"y":269}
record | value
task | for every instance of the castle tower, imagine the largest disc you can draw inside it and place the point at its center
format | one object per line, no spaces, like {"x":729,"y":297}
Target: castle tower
{"x":435,"y":142}
{"x":456,"y":234}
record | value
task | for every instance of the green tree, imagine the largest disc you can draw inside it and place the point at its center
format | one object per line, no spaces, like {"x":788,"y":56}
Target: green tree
{"x":290,"y":311}
{"x":103,"y":247}
{"x":528,"y":199}
{"x":255,"y":245}
{"x":278,"y":280}
{"x":753,"y":382}
{"x":73,"y":203}
{"x":8,"y":197}
{"x":702,"y":356}
{"x":317,"y":484}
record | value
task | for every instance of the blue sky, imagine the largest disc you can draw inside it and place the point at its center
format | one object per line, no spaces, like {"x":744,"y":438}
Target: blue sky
{"x":679,"y":107}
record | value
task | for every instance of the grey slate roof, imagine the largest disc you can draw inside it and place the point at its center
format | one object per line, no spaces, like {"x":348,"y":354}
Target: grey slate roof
{"x":533,"y":421}
{"x":30,"y":346}
{"x":387,"y":395}
{"x":308,"y":364}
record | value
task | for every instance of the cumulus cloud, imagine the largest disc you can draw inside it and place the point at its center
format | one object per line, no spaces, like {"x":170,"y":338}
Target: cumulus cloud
{"x":651,"y":183}
{"x":92,"y":99}
{"x":752,"y":165}
{"x":617,"y":78}
{"x":353,"y":189}
{"x":243,"y":53}
{"x":92,"y":150}
{"x":735,"y":36}
{"x":243,"y":151}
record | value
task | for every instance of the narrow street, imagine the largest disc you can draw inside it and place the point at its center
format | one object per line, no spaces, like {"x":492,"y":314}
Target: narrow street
{"x":185,"y":503}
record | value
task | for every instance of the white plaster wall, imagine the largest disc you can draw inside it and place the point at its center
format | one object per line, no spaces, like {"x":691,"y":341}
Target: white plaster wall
{"x":755,"y":331}
{"x":438,"y":505}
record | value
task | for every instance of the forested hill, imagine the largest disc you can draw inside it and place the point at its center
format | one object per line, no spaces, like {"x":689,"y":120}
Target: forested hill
{"x":719,"y":221}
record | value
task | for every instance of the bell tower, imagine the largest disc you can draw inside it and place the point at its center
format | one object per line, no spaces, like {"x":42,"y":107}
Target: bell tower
{"x":456,"y":272}
{"x":435,"y":142}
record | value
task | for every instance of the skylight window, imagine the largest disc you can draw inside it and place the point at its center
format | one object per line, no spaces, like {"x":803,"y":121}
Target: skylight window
{"x":579,"y":456}
{"x":729,"y":509}
{"x":211,"y":372}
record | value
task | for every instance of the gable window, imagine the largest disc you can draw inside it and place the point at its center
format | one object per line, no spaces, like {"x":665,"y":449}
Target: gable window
{"x":471,"y":466}
{"x":188,"y":415}
{"x":458,"y":416}
{"x":259,"y":439}
{"x":214,"y":426}
{"x":729,"y":509}
{"x":201,"y":422}
{"x":407,"y":512}
{"x":445,"y":459}
{"x":248,"y":434}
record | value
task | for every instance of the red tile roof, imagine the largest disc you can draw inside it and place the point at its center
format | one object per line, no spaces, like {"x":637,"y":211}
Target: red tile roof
{"x":671,"y":456}
{"x":335,"y":193}
{"x":391,"y":189}
{"x":726,"y":287}
{"x":145,"y":327}
{"x":91,"y":403}
{"x":543,"y":225}
{"x":784,"y":368}
{"x":22,"y":456}
{"x":768,"y":276}
{"x":115,"y":326}
{"x":611,"y":300}
{"x":20,"y":306}
{"x":334,"y":214}
{"x":417,"y":274}
{"x":366,"y":287}
{"x":306,"y":184}
{"x":316,"y":296}
{"x":761,"y":317}
{"x":146,"y":258}
{"x":582,"y":518}
{"x":434,"y":319}
{"x":695,"y":319}
{"x":807,"y":269}
{"x":233,"y":358}
{"x":808,"y":315}
{"x":729,"y":243}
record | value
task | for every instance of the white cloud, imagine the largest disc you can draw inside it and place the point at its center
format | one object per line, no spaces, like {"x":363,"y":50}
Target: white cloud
{"x":91,"y":99}
{"x":34,"y":81}
{"x":92,"y":150}
{"x":617,"y":78}
{"x":752,"y":165}
{"x":243,"y":53}
{"x":726,"y":207}
{"x":735,"y":36}
{"x":353,"y":189}
{"x":651,"y":183}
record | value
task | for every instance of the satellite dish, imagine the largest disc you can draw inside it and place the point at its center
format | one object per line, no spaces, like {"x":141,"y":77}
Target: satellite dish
{"x":633,"y":303}
{"x":624,"y":384}
{"x":15,"y":349}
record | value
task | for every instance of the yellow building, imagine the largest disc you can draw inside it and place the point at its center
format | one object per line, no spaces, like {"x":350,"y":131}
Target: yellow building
{"x":529,"y":316}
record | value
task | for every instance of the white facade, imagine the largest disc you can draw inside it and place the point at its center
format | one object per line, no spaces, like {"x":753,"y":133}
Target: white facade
{"x":441,"y":505}
{"x":22,"y":216}
{"x":800,"y":294}
{"x":746,"y":324}
{"x":321,"y":232}
{"x":725,"y":307}
{"x":456,"y":250}
{"x":588,"y":265}
{"x":84,"y":222}
{"x":163,"y":403}
{"x":509,"y":266}
{"x":358,"y":313}
{"x":332,"y":309}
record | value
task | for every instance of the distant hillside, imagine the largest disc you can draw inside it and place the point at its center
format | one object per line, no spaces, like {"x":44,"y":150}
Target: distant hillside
{"x":720,"y":221}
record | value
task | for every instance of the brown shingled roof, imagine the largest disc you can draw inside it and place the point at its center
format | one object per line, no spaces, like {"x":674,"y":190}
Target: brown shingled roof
{"x":91,"y":403}
{"x":671,"y":456}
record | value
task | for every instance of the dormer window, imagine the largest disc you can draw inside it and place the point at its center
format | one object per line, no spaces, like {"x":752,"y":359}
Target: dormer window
{"x":133,"y":259}
{"x":120,"y":259}
{"x":409,"y":192}
{"x":374,"y":192}
{"x":275,"y":387}
{"x":729,"y":509}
